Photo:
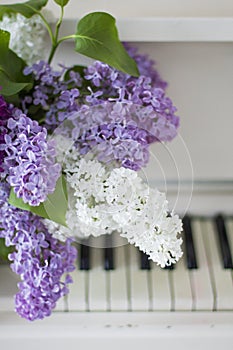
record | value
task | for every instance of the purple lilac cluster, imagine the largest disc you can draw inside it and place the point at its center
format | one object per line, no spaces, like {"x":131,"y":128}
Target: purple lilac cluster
{"x":29,"y":159}
{"x":139,"y":101}
{"x":116,"y":132}
{"x":148,"y":90}
{"x":114,"y":138}
{"x":39,"y":259}
{"x":125,"y":144}
{"x":5,"y":114}
{"x":54,"y":94}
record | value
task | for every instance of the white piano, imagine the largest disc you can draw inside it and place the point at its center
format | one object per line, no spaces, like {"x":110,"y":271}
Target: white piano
{"x":118,"y":299}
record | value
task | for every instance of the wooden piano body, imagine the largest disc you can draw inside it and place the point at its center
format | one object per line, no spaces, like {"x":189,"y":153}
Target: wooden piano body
{"x":176,"y":308}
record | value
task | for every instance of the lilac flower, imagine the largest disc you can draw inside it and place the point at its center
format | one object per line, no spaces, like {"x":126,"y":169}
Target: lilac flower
{"x":55,"y":95}
{"x":40,"y":98}
{"x":117,"y":132}
{"x":42,"y":71}
{"x":100,"y":74}
{"x":5,"y":114}
{"x":67,"y":98}
{"x":142,"y":100}
{"x":39,"y":259}
{"x":30,"y":159}
{"x":41,"y":284}
{"x":146,"y":90}
{"x":92,"y":99}
{"x":124,"y":144}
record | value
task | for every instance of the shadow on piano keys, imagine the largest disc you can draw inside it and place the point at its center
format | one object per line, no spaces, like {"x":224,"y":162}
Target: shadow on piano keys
{"x":119,"y":297}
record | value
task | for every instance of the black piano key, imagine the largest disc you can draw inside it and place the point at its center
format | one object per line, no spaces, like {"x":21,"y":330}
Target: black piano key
{"x":144,"y":261}
{"x":108,"y":259}
{"x":84,"y":260}
{"x":108,"y":254}
{"x":191,"y":258}
{"x":169,"y":267}
{"x":223,"y":242}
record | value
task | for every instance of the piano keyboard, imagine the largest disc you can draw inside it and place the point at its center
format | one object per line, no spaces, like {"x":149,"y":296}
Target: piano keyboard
{"x":119,"y":297}
{"x":120,"y":278}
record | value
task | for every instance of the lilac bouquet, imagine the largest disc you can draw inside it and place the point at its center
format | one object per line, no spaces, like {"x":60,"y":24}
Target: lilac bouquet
{"x":72,"y":141}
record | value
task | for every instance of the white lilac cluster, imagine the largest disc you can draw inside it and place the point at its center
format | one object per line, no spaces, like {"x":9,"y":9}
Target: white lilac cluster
{"x":27,"y":36}
{"x":103,"y":200}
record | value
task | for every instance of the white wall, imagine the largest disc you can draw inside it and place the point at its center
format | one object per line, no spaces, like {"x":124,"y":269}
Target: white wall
{"x":139,"y":8}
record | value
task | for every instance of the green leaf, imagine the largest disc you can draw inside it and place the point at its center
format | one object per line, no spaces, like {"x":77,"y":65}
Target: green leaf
{"x":77,"y":68}
{"x":4,"y":251}
{"x":57,"y":203}
{"x":9,"y":87}
{"x":5,"y":38}
{"x":12,"y":79}
{"x":97,"y":37}
{"x":54,"y":208}
{"x":17,"y":202}
{"x":62,"y":3}
{"x":27,"y":9}
{"x":9,"y":61}
{"x":36,"y":113}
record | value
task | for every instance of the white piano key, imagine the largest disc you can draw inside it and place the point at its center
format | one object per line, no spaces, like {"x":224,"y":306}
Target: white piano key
{"x":77,"y":299}
{"x":222,"y":277}
{"x":200,"y":278}
{"x":183,"y":298}
{"x":8,"y":288}
{"x":98,"y":290}
{"x":118,"y":277}
{"x":61,"y":304}
{"x":140,"y":294}
{"x":161,"y":293}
